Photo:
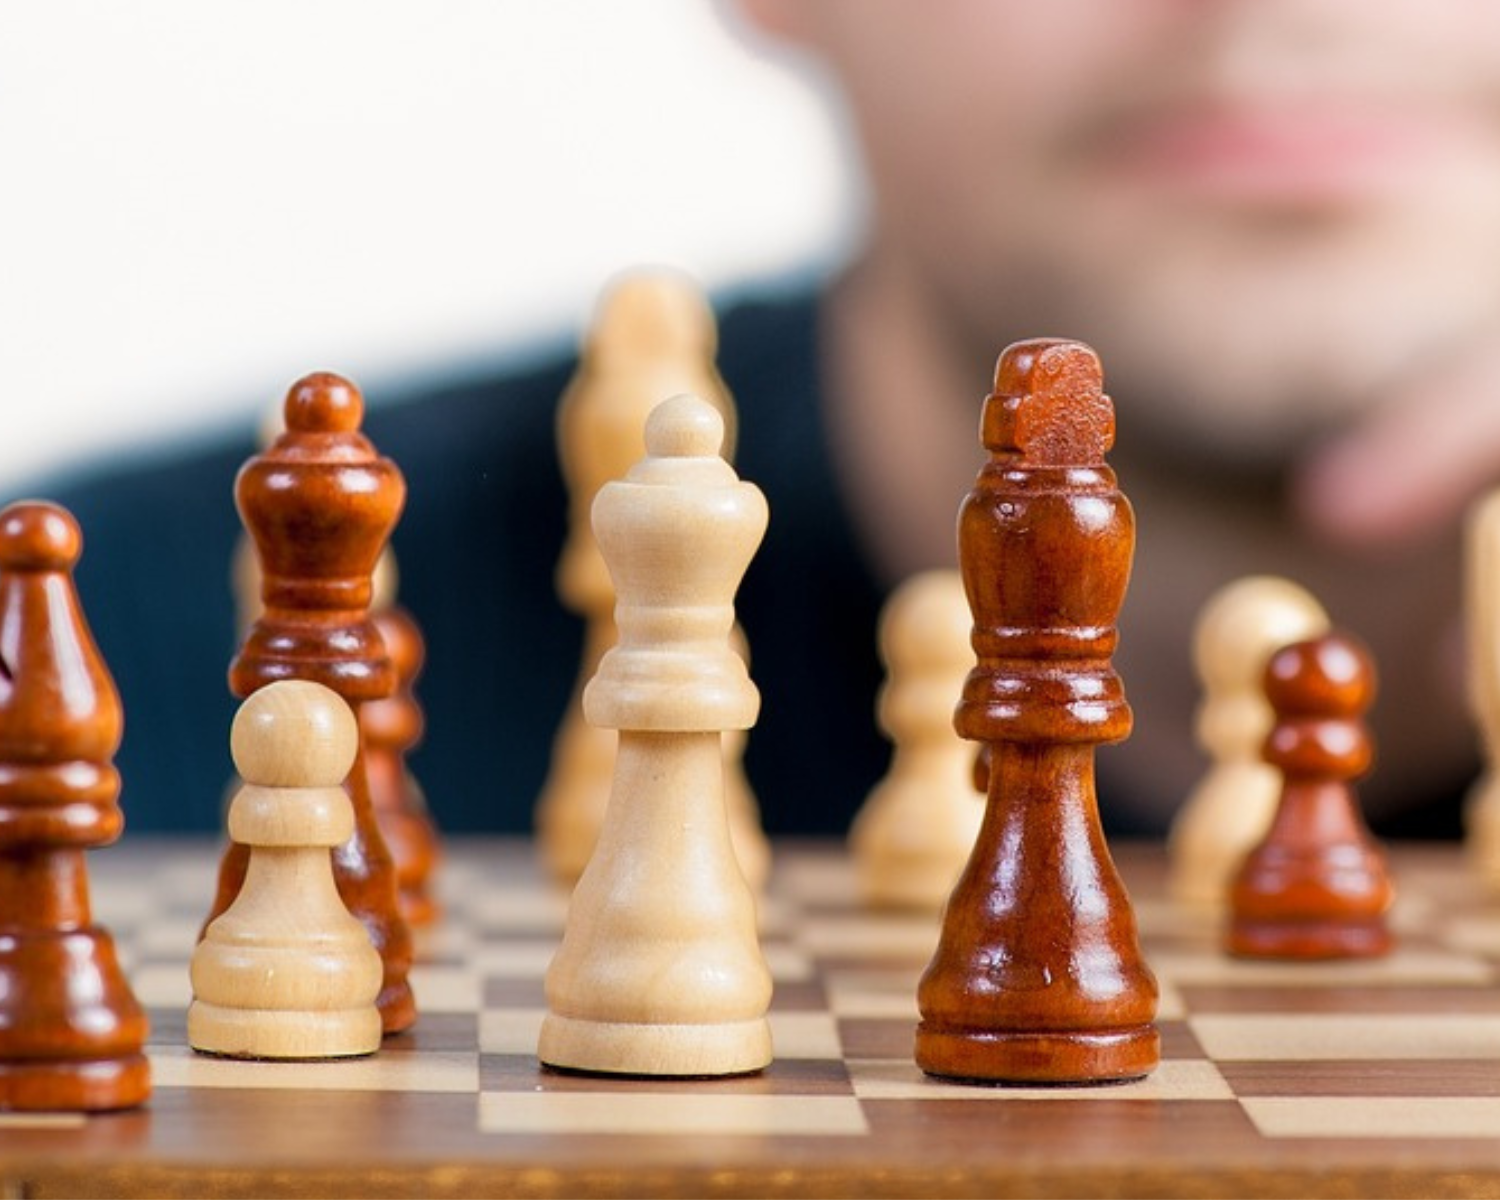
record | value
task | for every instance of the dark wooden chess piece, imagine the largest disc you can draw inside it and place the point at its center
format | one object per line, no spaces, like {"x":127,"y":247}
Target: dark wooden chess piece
{"x":1317,"y":885}
{"x":391,"y":727}
{"x":1038,"y":976}
{"x":319,"y":505}
{"x":71,"y":1032}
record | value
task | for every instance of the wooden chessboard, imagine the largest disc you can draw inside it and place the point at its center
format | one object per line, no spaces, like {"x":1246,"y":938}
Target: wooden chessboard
{"x":1369,"y":1079}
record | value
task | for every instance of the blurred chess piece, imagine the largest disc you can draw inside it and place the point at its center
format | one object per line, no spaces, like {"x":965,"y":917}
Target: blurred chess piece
{"x":660,"y":970}
{"x":392,"y":728}
{"x":917,"y":828}
{"x":1316,"y":885}
{"x":751,"y":846}
{"x":653,"y":337}
{"x":72,"y":1034}
{"x":1229,"y":811}
{"x":287,"y":972}
{"x":1482,"y":568}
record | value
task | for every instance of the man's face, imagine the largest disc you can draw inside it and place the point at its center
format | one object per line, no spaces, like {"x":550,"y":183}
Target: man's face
{"x":1261,"y":213}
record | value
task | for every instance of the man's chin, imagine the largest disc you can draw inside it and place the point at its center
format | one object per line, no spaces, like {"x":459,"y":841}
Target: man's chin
{"x":1242,"y":413}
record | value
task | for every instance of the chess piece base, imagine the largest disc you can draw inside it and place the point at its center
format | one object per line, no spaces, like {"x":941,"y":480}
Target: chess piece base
{"x":397,"y":1004}
{"x":570,"y":811}
{"x":86,"y":1085}
{"x":1204,"y":885}
{"x":1076,"y":1057}
{"x":412,"y":842}
{"x":910,"y":883}
{"x":67,"y":999}
{"x":1309,"y":939}
{"x":1217,"y":829}
{"x":1482,"y":832}
{"x":245,"y":1033}
{"x":674,"y":1051}
{"x":388,"y":930}
{"x":418,"y":909}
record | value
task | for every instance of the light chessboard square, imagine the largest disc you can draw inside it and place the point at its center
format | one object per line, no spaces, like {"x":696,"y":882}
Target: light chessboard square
{"x":432,"y":1071}
{"x":1319,"y":1036}
{"x":794,"y":1034}
{"x":677,"y":1115}
{"x":1375,"y":1116}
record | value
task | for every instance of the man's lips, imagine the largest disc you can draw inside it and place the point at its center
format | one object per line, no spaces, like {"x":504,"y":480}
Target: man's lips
{"x":1306,"y":153}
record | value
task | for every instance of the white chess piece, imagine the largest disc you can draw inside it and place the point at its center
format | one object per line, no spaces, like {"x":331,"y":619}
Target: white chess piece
{"x":1230,"y":809}
{"x":660,"y":970}
{"x":1482,"y":582}
{"x":653,"y":337}
{"x":917,"y":827}
{"x":286,"y":971}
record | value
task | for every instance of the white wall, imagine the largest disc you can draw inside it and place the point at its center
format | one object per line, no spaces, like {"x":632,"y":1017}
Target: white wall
{"x":202,"y":199}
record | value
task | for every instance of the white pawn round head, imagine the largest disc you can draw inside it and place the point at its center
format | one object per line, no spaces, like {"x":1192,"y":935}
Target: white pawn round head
{"x":1245,"y":622}
{"x":684,"y":427}
{"x":294,"y":733}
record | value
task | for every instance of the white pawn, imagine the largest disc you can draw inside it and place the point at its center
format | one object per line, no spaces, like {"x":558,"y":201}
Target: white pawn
{"x":1482,"y":582}
{"x":916,"y":829}
{"x":1230,"y":809}
{"x":286,"y":971}
{"x":660,"y":970}
{"x":653,"y":337}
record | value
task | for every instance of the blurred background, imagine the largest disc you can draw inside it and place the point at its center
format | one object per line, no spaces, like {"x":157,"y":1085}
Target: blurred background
{"x":202,"y":202}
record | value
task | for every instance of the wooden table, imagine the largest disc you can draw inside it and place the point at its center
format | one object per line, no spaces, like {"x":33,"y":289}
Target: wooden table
{"x":1379,"y":1078}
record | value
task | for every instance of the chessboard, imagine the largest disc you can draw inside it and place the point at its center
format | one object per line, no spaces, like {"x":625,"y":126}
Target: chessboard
{"x":1370,"y":1078}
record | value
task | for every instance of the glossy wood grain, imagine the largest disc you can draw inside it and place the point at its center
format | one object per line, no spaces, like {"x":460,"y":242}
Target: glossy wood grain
{"x":319,"y":505}
{"x":1038,"y":975}
{"x":71,"y":1032}
{"x":1316,"y":886}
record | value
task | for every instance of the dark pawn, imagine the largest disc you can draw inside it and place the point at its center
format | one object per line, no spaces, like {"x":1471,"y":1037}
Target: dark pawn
{"x":1038,"y":975}
{"x":319,"y":505}
{"x":1317,"y":886}
{"x":71,"y":1031}
{"x":391,"y":728}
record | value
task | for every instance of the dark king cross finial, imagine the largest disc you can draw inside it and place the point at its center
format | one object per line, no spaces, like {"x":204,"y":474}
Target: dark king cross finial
{"x":1038,"y":976}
